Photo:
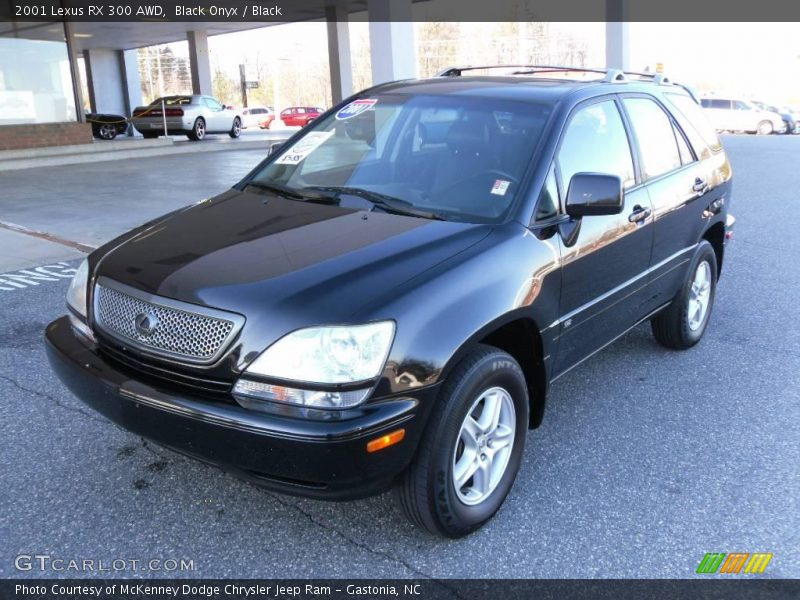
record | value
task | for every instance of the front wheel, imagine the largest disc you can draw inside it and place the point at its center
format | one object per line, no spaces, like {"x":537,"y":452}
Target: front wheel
{"x":472,"y":448}
{"x":106,"y":131}
{"x":683,"y":322}
{"x":765,"y":128}
{"x":236,"y":128}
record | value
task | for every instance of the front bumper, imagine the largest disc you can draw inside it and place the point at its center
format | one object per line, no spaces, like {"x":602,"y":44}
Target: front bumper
{"x":324,"y":459}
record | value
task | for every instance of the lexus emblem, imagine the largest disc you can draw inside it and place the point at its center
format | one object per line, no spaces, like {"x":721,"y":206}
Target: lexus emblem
{"x":146,"y":323}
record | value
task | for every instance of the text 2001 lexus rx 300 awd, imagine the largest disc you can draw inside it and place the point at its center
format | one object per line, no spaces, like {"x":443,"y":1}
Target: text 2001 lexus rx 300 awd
{"x":385,"y":299}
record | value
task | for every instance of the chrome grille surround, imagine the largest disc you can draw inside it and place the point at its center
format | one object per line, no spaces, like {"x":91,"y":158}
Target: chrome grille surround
{"x":184,"y":332}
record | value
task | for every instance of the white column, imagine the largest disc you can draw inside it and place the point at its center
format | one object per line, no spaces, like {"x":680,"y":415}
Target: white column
{"x":106,"y":81}
{"x":617,"y":40}
{"x":199,"y":62}
{"x":132,"y":84}
{"x":339,"y":53}
{"x":391,"y":40}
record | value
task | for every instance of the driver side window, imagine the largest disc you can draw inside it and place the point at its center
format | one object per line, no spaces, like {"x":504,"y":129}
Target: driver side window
{"x":596,"y":142}
{"x":212,"y":104}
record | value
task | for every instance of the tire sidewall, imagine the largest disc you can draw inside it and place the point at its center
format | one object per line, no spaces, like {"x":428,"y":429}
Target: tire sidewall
{"x":495,"y":370}
{"x":198,"y":133}
{"x":234,"y":133}
{"x":705,"y":253}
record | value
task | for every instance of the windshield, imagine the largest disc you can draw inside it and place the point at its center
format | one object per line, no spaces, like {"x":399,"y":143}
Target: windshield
{"x":453,"y":157}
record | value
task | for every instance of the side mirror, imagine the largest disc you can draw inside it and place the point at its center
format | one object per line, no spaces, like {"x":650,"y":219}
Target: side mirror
{"x":274,"y":147}
{"x":592,"y":194}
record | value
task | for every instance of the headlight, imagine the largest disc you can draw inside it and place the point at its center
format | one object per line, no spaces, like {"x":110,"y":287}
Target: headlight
{"x":320,"y":356}
{"x":76,"y":294}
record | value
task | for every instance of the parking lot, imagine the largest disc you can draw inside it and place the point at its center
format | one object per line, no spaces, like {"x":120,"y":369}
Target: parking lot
{"x":647,"y":459}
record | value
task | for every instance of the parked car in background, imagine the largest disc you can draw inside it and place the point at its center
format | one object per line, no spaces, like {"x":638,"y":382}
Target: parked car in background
{"x":795,"y":112}
{"x":357,"y":315}
{"x":107,"y":126}
{"x":738,"y":115}
{"x":300,"y":116}
{"x":257,"y":116}
{"x":191,"y":115}
{"x":788,"y":117}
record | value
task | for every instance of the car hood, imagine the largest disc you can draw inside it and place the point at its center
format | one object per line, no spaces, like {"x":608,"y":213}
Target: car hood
{"x":264,"y":256}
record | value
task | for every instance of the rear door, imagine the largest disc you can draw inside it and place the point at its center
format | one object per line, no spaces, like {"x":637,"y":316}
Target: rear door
{"x":677,"y":185}
{"x":604,"y":273}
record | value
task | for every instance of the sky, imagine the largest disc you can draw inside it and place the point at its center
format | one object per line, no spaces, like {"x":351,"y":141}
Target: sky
{"x":753,"y":60}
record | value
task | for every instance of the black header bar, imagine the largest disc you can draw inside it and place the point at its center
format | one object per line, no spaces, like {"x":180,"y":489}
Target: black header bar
{"x":281,"y":11}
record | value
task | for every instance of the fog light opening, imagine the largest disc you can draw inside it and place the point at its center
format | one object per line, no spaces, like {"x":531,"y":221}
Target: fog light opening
{"x":390,"y":439}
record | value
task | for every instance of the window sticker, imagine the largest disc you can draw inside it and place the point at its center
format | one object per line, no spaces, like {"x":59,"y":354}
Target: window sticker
{"x":355,"y":108}
{"x":500,"y":187}
{"x":297,"y":153}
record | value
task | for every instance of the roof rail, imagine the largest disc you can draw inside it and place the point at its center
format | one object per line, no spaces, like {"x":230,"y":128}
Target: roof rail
{"x":528,"y":69}
{"x":609,"y":75}
{"x":614,"y":76}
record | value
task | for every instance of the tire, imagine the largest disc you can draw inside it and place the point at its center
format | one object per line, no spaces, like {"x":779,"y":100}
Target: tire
{"x":150,"y":135}
{"x":679,"y":326}
{"x":198,"y":131}
{"x":106,"y":131}
{"x":426,"y":493}
{"x":236,"y":128}
{"x":765,"y":128}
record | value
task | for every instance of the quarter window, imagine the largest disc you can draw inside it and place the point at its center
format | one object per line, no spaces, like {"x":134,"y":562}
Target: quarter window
{"x":656,"y":136}
{"x":595,"y":141}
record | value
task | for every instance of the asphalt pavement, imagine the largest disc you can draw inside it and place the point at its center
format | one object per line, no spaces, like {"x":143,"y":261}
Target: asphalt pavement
{"x":647,"y":459}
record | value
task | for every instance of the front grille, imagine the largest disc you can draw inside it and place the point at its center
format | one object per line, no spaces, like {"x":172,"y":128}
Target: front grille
{"x":182,"y":331}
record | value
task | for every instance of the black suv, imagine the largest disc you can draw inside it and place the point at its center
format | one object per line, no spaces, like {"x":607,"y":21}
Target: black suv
{"x":385,"y":299}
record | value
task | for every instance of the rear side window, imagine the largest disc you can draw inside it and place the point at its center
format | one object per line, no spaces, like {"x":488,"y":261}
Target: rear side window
{"x":595,"y":141}
{"x":694,"y":123}
{"x":656,"y":136}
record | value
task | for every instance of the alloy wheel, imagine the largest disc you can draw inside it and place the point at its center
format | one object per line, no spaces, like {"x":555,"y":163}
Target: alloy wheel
{"x":699,"y":296}
{"x":484,"y":445}
{"x":107,"y":131}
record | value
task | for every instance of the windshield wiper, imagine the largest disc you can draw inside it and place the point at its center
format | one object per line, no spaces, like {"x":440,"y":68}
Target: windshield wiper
{"x":282,"y":190}
{"x":382,"y":201}
{"x":291,"y":193}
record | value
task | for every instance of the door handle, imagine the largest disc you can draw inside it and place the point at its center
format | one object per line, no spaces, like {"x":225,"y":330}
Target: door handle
{"x":639,"y":214}
{"x":699,"y":185}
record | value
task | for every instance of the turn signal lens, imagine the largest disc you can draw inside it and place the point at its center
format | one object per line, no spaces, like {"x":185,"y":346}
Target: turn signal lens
{"x":390,"y":439}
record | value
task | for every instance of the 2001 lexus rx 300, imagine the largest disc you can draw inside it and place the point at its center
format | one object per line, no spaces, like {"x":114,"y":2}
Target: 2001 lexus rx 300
{"x":384,"y":301}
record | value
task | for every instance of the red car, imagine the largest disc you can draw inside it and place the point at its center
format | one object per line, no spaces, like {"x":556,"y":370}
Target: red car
{"x":300,"y":115}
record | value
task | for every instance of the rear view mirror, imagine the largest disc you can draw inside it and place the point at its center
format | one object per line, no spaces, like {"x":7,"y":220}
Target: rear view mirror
{"x":592,"y":194}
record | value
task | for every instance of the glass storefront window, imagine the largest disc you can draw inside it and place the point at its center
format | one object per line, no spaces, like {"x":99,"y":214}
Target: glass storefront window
{"x":35,"y":79}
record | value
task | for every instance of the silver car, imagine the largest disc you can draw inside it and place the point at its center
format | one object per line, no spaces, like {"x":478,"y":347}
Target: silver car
{"x":191,"y":115}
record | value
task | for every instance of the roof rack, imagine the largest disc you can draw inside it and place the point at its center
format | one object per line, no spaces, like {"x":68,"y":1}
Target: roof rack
{"x":528,"y":69}
{"x":609,"y":75}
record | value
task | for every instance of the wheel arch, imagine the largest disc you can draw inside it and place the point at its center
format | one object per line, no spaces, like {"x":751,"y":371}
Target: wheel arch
{"x":519,"y":336}
{"x":715,"y":235}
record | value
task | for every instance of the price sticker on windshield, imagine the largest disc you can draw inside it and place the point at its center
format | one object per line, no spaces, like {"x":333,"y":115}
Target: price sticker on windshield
{"x":355,"y":108}
{"x":500,"y":187}
{"x":297,"y":153}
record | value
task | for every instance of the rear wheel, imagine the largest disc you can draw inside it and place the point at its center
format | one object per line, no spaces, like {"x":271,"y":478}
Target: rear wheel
{"x":198,"y":131}
{"x":681,"y":324}
{"x":472,"y":448}
{"x":236,"y":129}
{"x":765,"y":128}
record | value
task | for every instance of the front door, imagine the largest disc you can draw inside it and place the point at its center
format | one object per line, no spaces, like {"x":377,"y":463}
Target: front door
{"x":604,"y":273}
